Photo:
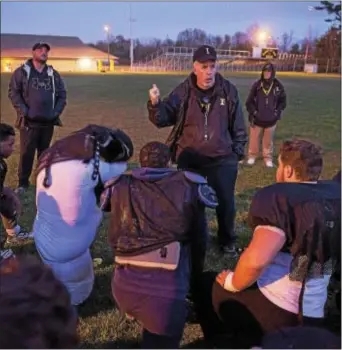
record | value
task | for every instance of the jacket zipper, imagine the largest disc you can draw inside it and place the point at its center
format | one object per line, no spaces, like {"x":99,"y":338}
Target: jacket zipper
{"x":206,"y":113}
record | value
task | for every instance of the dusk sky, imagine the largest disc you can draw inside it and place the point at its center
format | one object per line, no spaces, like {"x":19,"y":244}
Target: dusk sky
{"x":158,"y":19}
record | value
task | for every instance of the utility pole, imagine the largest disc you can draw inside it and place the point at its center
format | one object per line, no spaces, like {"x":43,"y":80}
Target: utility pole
{"x":131,"y":49}
{"x":310,"y":8}
{"x":106,"y":28}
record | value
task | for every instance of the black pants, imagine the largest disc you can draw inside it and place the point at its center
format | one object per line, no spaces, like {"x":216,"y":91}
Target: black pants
{"x":9,"y":213}
{"x":32,"y":140}
{"x":222,"y":178}
{"x":199,"y":243}
{"x":238,"y":320}
{"x":156,"y":341}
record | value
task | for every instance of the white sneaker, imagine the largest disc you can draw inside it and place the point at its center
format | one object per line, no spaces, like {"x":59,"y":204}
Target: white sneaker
{"x":21,"y":236}
{"x":269,"y":164}
{"x":251,"y":161}
{"x":6,"y":254}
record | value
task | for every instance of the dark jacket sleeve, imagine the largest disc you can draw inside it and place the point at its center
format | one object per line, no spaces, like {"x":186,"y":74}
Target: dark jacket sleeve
{"x":3,"y":171}
{"x":61,"y":94}
{"x":250,"y":102}
{"x":15,"y":93}
{"x":238,"y":131}
{"x":165,"y":113}
{"x":281,"y":105}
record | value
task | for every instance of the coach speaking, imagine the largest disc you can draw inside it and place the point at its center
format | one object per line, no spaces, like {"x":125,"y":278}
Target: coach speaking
{"x":38,"y":95}
{"x":206,"y":115}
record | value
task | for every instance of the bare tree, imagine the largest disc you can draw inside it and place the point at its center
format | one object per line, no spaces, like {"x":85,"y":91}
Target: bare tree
{"x":286,"y":41}
{"x":295,"y":49}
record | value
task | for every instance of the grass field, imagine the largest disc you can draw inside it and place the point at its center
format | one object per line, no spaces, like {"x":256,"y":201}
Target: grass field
{"x":314,"y":113}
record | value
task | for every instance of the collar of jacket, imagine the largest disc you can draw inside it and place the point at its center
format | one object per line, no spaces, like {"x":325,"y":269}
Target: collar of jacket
{"x":218,"y":87}
{"x":28,"y":65}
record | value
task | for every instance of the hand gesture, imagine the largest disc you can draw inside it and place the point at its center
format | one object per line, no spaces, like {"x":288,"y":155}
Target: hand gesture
{"x":154,"y":94}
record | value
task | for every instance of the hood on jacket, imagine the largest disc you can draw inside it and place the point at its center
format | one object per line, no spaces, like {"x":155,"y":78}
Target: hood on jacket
{"x":268,"y":67}
{"x":29,"y":63}
{"x":152,"y":174}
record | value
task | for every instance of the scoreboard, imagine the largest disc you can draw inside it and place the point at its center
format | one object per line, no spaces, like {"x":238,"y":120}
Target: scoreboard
{"x":269,"y":53}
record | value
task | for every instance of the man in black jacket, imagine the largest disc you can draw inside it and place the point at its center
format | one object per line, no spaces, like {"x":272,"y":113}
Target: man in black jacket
{"x":207,"y":118}
{"x":265,"y":104}
{"x":38,"y":95}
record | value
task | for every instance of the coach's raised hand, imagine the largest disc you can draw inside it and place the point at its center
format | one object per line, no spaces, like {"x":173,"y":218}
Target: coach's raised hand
{"x":154,"y":94}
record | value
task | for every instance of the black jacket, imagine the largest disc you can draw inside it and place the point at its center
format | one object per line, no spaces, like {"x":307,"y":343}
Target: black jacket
{"x":3,"y":172}
{"x":175,"y":109}
{"x":18,"y":93}
{"x":266,"y":101}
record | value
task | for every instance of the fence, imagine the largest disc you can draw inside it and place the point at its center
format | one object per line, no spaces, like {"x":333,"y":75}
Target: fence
{"x":297,"y":65}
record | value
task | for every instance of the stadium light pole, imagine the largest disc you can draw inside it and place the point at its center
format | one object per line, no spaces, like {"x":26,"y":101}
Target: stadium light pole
{"x":131,"y":49}
{"x":106,"y":29}
{"x":261,"y":37}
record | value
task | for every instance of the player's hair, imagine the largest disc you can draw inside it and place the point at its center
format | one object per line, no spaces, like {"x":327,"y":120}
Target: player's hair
{"x":35,"y":307}
{"x":6,"y":131}
{"x":155,"y":155}
{"x":304,"y":157}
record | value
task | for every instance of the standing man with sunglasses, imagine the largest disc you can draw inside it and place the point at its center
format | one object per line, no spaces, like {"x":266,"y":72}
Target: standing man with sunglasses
{"x":38,"y":95}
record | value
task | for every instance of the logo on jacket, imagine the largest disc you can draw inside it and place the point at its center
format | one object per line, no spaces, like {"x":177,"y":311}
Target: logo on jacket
{"x":41,"y":84}
{"x":222,"y":102}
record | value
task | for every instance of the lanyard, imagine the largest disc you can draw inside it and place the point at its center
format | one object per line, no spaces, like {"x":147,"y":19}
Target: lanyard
{"x":266,"y":92}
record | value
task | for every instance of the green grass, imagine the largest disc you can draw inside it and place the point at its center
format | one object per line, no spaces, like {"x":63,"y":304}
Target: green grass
{"x":314,"y":113}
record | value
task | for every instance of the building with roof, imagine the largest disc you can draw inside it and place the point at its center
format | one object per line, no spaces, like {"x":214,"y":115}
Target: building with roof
{"x":68,"y":53}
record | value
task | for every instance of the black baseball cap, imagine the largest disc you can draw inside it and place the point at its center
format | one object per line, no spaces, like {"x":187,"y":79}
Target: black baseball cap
{"x":205,"y":53}
{"x":40,"y":45}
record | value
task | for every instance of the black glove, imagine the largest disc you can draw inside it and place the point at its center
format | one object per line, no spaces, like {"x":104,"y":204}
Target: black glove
{"x":252,"y":117}
{"x":239,"y":150}
{"x":277,"y":114}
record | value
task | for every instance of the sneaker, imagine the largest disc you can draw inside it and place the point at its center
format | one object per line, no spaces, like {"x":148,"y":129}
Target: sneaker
{"x":21,"y":236}
{"x":229,"y":251}
{"x":129,"y":317}
{"x":251,"y":161}
{"x":269,"y":164}
{"x":97,"y":262}
{"x":6,"y":254}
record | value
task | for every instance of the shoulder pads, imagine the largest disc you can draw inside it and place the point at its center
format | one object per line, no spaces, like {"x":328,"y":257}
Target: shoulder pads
{"x":195,"y":178}
{"x":111,"y":182}
{"x":207,"y":196}
{"x":106,"y":195}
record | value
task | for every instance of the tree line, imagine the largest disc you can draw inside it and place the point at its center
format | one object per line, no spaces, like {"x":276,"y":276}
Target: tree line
{"x":326,"y":46}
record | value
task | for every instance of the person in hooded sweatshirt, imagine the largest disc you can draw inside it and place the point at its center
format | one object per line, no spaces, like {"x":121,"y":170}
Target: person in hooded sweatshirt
{"x":265,"y":104}
{"x":157,"y":221}
{"x":37,"y":93}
